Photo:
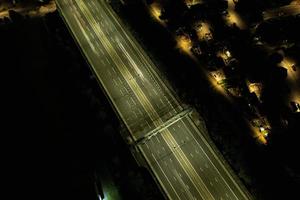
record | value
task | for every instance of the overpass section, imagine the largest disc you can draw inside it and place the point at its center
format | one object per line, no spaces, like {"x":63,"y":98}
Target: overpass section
{"x":178,"y":155}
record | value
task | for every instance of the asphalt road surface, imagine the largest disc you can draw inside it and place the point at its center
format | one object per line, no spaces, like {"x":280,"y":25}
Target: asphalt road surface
{"x":177,"y":154}
{"x":186,"y":166}
{"x":124,"y":72}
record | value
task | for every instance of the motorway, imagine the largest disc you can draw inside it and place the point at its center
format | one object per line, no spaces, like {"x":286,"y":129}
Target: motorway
{"x":117,"y":62}
{"x":184,"y":164}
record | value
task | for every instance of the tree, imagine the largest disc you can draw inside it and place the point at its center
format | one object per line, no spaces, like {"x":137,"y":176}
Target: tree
{"x":14,"y":16}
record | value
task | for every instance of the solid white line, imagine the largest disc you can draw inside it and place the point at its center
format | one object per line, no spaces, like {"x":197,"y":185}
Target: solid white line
{"x":165,"y":175}
{"x":217,"y":159}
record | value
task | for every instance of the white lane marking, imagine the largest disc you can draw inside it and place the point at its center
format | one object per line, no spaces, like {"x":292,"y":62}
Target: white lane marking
{"x":148,"y":124}
{"x":98,"y":45}
{"x":135,"y":115}
{"x":128,"y":103}
{"x":84,"y":32}
{"x":121,"y":92}
{"x":211,"y":151}
{"x":127,"y":92}
{"x":155,"y":92}
{"x":157,"y":140}
{"x":141,"y":113}
{"x":93,"y":36}
{"x":107,"y":60}
{"x":120,"y":79}
{"x":115,"y":82}
{"x":143,"y":57}
{"x":165,"y":176}
{"x":147,"y":145}
{"x":133,"y":101}
{"x":94,"y":4}
{"x":112,"y":38}
{"x":138,"y":71}
{"x":185,"y":189}
{"x":161,"y":101}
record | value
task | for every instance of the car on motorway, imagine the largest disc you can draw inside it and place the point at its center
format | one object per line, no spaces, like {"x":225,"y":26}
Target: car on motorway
{"x":225,"y":12}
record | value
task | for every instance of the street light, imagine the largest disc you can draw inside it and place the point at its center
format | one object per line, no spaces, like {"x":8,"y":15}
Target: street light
{"x":228,"y":54}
